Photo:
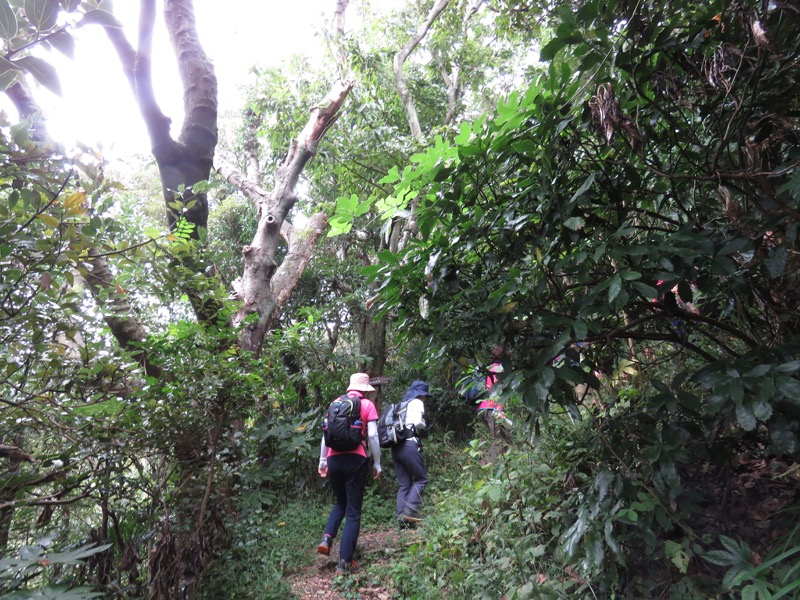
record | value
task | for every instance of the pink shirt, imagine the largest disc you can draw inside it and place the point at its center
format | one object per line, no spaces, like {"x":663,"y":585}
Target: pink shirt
{"x":490,"y":380}
{"x":368,"y":413}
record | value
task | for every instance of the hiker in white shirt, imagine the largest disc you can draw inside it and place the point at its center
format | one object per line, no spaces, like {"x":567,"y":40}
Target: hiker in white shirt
{"x":409,"y":465}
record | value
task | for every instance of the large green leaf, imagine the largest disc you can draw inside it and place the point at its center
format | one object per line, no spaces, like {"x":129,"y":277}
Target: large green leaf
{"x":71,"y":5}
{"x":42,"y":71}
{"x":9,"y":72}
{"x":63,"y":41}
{"x":8,"y":21}
{"x":102,"y":17}
{"x":43,"y":14}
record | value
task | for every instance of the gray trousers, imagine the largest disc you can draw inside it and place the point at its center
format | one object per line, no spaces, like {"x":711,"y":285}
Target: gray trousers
{"x":412,"y":477}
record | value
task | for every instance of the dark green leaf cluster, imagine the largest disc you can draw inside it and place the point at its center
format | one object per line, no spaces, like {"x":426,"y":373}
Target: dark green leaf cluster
{"x":631,"y":218}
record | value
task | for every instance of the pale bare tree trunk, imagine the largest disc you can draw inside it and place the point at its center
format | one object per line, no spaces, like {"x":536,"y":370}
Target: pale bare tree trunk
{"x":265,"y":285}
{"x":339,"y":21}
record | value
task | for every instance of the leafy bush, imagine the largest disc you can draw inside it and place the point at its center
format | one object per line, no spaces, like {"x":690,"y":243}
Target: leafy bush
{"x":34,"y":564}
{"x":267,"y":546}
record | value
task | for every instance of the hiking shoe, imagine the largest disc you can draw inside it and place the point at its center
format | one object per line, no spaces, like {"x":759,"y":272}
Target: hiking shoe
{"x":346,"y":566}
{"x":401,"y":524}
{"x":411,"y":518}
{"x":324,"y":546}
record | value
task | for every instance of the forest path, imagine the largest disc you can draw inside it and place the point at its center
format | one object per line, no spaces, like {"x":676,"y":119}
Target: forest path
{"x":375,"y":549}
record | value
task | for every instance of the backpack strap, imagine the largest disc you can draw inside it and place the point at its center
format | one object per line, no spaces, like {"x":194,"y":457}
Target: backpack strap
{"x":402,"y":409}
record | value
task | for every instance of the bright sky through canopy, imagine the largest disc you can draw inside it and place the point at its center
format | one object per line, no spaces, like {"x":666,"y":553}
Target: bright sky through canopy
{"x":97,"y":105}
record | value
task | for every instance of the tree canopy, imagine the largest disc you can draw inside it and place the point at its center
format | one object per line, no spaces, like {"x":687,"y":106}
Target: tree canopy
{"x":607,"y":190}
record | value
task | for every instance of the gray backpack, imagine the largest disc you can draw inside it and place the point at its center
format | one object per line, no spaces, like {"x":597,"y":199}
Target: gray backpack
{"x":391,"y":425}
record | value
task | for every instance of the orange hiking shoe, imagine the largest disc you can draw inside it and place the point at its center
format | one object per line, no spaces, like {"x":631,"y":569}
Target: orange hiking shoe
{"x":324,"y":547}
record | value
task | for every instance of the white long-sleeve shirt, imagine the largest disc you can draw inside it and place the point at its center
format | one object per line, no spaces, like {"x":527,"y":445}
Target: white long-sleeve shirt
{"x":415,"y":414}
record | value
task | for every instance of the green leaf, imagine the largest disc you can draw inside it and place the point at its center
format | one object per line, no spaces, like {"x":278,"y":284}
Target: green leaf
{"x":647,"y":291}
{"x":776,"y":263}
{"x":759,"y":371}
{"x":788,"y":367}
{"x":9,"y":73}
{"x":574,"y":223}
{"x":721,"y":558}
{"x":551,"y":49}
{"x":63,"y":42}
{"x":42,"y":71}
{"x":789,"y":387}
{"x":745,"y":417}
{"x":8,"y":21}
{"x":77,"y":555}
{"x":100,"y":17}
{"x":762,"y":409}
{"x":580,"y":329}
{"x":347,"y":204}
{"x":584,"y":187}
{"x":614,"y":287}
{"x":749,"y":592}
{"x":391,"y":177}
{"x":70,"y":5}
{"x":676,"y":553}
{"x":43,"y":14}
{"x":525,"y":591}
{"x":464,"y":134}
{"x":783,"y":438}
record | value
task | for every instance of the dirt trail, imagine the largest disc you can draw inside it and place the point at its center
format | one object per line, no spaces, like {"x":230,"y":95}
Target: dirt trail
{"x":375,"y":549}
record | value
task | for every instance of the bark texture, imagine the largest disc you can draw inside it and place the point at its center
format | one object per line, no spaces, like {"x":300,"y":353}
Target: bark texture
{"x":188,"y":160}
{"x":265,"y":284}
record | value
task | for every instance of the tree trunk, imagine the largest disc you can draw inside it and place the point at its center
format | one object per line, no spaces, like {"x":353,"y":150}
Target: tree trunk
{"x":187,"y":161}
{"x":372,"y":333}
{"x":265,"y":285}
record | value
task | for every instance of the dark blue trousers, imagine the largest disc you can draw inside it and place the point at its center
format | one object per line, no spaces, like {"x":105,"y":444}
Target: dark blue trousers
{"x":412,"y":477}
{"x":348,"y":474}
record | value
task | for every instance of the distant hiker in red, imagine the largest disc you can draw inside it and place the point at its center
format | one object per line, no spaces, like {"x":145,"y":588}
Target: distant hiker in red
{"x":491,"y":411}
{"x":348,"y":469}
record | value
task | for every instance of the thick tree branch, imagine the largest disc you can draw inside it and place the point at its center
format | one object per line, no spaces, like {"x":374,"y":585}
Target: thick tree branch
{"x":137,"y":66}
{"x":254,"y":192}
{"x":186,"y":162}
{"x":118,"y":315}
{"x":14,"y":453}
{"x":399,"y":61}
{"x":301,"y":248}
{"x":260,"y":292}
{"x":452,"y":80}
{"x":181,"y":164}
{"x":199,"y":132}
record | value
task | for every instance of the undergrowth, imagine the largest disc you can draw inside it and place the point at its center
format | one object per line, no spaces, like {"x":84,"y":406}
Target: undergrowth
{"x":556,"y":519}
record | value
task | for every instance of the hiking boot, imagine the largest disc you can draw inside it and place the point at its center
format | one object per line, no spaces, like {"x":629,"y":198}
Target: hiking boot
{"x":411,"y":518}
{"x":346,"y":566}
{"x":401,"y":524}
{"x":324,"y":546}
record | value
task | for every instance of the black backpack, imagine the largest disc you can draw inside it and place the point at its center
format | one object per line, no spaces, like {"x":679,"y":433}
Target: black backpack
{"x":391,"y":425}
{"x":472,"y":388}
{"x":342,"y":426}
